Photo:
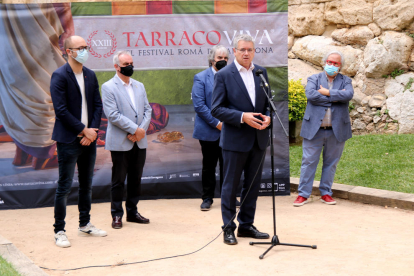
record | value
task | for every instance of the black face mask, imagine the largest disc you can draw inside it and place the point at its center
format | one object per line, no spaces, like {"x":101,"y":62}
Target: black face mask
{"x":221,"y":64}
{"x":127,"y":70}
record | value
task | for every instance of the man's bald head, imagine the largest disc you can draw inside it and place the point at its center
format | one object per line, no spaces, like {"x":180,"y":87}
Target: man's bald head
{"x":74,"y":41}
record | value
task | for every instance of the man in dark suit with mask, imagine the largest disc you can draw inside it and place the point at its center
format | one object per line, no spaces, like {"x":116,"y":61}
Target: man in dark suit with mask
{"x":206,"y":127}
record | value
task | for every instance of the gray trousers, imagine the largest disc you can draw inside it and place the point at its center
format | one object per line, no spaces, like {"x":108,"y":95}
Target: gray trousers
{"x":332,"y":151}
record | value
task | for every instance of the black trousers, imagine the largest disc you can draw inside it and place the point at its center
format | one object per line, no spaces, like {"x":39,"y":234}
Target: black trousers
{"x":235,"y":163}
{"x":126,"y":165}
{"x":211,"y":154}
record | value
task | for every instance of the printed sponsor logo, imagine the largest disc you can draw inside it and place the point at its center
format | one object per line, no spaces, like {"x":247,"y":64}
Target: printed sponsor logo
{"x":184,"y":175}
{"x":1,"y":201}
{"x":173,"y":176}
{"x":196,"y":174}
{"x":153,"y":177}
{"x":263,"y":185}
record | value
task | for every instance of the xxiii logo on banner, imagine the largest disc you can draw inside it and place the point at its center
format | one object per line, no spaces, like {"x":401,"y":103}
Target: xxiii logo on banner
{"x":102,"y":44}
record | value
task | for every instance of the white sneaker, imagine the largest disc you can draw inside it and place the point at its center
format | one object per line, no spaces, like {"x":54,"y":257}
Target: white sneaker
{"x":90,"y":230}
{"x":61,"y":239}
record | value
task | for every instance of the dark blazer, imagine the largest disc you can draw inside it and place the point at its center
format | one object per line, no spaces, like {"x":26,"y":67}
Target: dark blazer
{"x":67,"y":101}
{"x":205,"y":124}
{"x":340,"y":95}
{"x":230,"y":100}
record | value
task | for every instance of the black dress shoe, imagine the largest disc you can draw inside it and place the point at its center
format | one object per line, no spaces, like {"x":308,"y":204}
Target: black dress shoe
{"x":206,"y":205}
{"x":138,"y":219}
{"x":251,"y":232}
{"x":229,"y":237}
{"x":117,"y":222}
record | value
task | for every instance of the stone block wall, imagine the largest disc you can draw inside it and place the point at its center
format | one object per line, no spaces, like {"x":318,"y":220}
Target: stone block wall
{"x":377,"y":40}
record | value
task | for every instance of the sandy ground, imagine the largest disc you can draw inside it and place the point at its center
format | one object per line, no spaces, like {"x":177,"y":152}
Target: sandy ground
{"x":352,"y":239}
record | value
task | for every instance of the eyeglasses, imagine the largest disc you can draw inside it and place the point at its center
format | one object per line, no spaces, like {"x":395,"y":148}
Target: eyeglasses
{"x":250,"y":50}
{"x":81,"y":49}
{"x":334,"y":63}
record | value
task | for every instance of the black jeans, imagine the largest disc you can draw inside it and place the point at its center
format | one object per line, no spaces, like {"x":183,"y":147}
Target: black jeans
{"x":211,"y":154}
{"x":126,"y":165}
{"x":68,"y":156}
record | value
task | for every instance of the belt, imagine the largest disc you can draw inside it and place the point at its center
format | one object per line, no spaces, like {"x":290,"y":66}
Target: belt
{"x":326,"y":127}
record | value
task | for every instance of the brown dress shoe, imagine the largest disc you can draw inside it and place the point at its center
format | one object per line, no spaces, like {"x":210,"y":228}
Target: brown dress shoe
{"x":138,"y":219}
{"x":116,"y":222}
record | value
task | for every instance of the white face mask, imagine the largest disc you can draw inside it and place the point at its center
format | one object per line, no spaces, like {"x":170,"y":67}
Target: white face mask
{"x":82,"y":56}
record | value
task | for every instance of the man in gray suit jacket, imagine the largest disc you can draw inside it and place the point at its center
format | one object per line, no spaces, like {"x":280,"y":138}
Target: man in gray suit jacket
{"x":129,"y":114}
{"x":326,"y":125}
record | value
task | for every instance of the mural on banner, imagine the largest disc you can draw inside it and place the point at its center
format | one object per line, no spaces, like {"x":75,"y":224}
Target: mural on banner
{"x":169,"y":44}
{"x":180,"y":42}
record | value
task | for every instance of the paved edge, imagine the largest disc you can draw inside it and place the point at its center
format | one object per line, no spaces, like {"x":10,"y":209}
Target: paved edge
{"x":20,"y":262}
{"x":25,"y":266}
{"x":363,"y":195}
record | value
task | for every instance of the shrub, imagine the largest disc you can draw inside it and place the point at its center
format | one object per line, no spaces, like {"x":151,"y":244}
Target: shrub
{"x":297,"y":100}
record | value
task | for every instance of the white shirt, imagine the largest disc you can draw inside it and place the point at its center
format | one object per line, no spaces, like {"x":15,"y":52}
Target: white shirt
{"x":248,"y":80}
{"x":84,"y":114}
{"x":247,"y":77}
{"x":128,"y":88}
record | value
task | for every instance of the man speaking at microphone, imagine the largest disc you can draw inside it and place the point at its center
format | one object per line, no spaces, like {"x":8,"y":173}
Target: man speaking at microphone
{"x":240,"y":103}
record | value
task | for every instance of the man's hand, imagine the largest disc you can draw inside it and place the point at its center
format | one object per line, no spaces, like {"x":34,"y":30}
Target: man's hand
{"x":324,"y":91}
{"x":250,"y":119}
{"x":85,"y":141}
{"x":219,"y":126}
{"x":90,"y":133}
{"x":139,"y":133}
{"x":266,"y":121}
{"x":132,"y":138}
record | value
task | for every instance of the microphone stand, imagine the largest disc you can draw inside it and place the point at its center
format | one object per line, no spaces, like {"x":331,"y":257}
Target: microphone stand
{"x":275,"y":240}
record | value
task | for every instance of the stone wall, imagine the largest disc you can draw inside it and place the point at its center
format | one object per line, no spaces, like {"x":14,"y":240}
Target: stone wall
{"x":377,"y":40}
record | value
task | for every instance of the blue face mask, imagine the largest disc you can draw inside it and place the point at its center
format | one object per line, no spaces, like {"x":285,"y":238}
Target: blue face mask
{"x":331,"y":70}
{"x":82,"y":56}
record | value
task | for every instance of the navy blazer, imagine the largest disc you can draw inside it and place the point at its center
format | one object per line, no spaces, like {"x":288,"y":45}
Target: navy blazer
{"x":205,"y":125}
{"x":230,"y":100}
{"x":67,"y":101}
{"x":340,"y":95}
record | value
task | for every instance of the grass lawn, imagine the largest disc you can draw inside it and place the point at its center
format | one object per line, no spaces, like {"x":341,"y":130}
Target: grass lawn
{"x":7,"y":269}
{"x":376,"y":161}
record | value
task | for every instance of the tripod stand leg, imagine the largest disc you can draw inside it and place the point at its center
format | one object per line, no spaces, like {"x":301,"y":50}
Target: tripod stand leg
{"x":298,"y":245}
{"x":253,"y":243}
{"x":261,"y":256}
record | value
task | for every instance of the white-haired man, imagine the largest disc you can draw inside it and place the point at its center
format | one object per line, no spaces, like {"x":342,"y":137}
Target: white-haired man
{"x":326,"y":125}
{"x":129,"y":114}
{"x":206,"y":127}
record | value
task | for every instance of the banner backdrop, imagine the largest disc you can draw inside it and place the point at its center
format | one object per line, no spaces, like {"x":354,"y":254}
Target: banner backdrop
{"x":170,"y":42}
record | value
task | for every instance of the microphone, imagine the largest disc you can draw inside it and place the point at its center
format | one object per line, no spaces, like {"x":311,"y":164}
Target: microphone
{"x":260,"y":73}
